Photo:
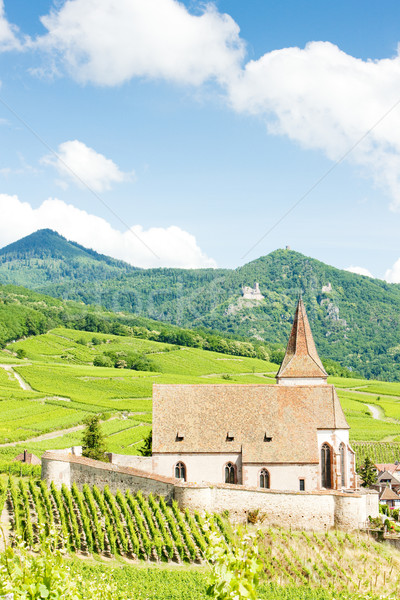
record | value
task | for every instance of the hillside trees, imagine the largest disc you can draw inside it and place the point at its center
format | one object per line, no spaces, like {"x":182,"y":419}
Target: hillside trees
{"x":93,"y":444}
{"x":146,"y":448}
{"x":368,"y":472}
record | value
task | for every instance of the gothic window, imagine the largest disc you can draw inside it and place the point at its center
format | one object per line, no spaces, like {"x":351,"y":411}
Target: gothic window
{"x":326,"y":469}
{"x":264,"y":479}
{"x":342,"y":464}
{"x":230,"y":473}
{"x":180,"y":471}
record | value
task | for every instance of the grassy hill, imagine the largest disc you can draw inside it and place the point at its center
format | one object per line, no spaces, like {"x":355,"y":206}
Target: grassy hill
{"x":355,"y":319}
{"x":64,"y":386}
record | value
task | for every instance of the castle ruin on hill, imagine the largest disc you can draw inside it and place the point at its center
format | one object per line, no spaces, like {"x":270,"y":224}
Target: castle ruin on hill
{"x":250,"y":293}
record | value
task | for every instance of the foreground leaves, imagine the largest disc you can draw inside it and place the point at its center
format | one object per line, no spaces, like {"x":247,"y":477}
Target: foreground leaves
{"x":235,"y":568}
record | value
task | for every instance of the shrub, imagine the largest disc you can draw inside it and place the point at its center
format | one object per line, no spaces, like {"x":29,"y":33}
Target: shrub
{"x":102,"y":361}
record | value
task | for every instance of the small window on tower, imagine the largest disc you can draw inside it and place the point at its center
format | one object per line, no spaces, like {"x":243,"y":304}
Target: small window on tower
{"x":302,"y":484}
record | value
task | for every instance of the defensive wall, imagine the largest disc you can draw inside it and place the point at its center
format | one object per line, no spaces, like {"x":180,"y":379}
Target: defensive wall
{"x":301,"y":510}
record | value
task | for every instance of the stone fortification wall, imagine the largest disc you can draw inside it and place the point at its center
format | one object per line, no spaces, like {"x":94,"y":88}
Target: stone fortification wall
{"x":301,"y":510}
{"x":68,"y":469}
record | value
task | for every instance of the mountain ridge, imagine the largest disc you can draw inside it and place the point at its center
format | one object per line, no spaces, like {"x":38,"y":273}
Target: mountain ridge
{"x":355,"y":319}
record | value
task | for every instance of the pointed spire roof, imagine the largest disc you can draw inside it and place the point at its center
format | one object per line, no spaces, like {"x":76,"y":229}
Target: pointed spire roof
{"x":301,"y":359}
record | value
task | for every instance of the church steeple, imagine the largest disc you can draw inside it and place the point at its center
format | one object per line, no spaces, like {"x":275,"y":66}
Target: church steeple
{"x":301,"y":364}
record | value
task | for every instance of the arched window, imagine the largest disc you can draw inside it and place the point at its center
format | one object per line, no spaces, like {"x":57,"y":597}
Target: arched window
{"x":180,"y":471}
{"x":326,"y":470}
{"x":342,"y":451}
{"x":264,"y":479}
{"x":230,"y":473}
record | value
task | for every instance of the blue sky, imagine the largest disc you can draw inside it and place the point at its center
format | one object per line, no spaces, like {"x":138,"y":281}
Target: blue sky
{"x":178,"y":134}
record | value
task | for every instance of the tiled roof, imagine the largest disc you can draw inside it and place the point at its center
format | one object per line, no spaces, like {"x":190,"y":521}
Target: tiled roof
{"x":388,"y":476}
{"x":301,"y":358}
{"x":27,"y":458}
{"x":391,"y":467}
{"x":287,"y":415}
{"x":389,"y":494}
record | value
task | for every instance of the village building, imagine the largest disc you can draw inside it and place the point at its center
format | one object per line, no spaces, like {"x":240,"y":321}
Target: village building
{"x":27,"y":458}
{"x":388,"y":484}
{"x":290,"y":436}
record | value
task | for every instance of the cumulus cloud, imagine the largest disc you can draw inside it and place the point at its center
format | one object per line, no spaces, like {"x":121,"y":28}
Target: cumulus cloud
{"x":326,"y":99}
{"x":359,"y":271}
{"x":110,"y":42}
{"x":392,"y":275}
{"x":84,"y":165}
{"x":171,"y":246}
{"x":8,"y":32}
{"x":319,"y":96}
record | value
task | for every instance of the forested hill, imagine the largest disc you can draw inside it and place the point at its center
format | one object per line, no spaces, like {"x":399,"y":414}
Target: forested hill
{"x":46,"y":256}
{"x":355,"y":319}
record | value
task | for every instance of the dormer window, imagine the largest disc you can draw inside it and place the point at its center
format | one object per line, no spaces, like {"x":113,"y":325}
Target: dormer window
{"x":230,"y":436}
{"x":180,"y":436}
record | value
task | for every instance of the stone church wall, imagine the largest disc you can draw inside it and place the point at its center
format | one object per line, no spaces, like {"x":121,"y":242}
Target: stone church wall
{"x":303,"y":510}
{"x":207,"y":467}
{"x":283,"y":477}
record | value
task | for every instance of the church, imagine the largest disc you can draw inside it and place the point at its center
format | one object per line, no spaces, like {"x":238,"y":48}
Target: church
{"x":290,"y":436}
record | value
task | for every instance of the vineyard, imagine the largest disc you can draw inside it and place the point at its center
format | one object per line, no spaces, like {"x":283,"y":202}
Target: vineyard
{"x":138,"y":528}
{"x":100,"y":522}
{"x":379,"y":452}
{"x":339,"y":561}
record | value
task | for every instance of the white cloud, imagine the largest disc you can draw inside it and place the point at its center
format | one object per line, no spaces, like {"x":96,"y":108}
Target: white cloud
{"x":392,"y":275}
{"x":359,"y":271}
{"x":172,"y":246}
{"x":85,"y":166}
{"x":326,"y":99}
{"x":318,"y":96}
{"x":8,"y":33}
{"x":110,"y":42}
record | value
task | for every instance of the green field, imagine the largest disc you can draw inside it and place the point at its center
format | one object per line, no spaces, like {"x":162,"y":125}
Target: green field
{"x":126,"y":526}
{"x":66,"y":387}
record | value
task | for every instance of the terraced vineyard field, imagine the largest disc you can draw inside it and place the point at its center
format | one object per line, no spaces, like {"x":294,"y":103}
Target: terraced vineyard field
{"x":66,"y":387}
{"x":338,"y":561}
{"x":132,"y":526}
{"x":380,"y":452}
{"x":94,"y":521}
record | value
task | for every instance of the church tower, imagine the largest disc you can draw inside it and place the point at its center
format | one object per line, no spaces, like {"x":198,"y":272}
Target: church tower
{"x":301,"y":364}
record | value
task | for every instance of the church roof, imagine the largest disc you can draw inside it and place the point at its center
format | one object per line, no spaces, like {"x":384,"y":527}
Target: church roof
{"x":268,"y":423}
{"x":301,"y":358}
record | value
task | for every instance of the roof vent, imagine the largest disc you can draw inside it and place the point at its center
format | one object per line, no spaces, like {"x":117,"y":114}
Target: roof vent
{"x":267,"y":438}
{"x":230,"y":436}
{"x":180,"y":436}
